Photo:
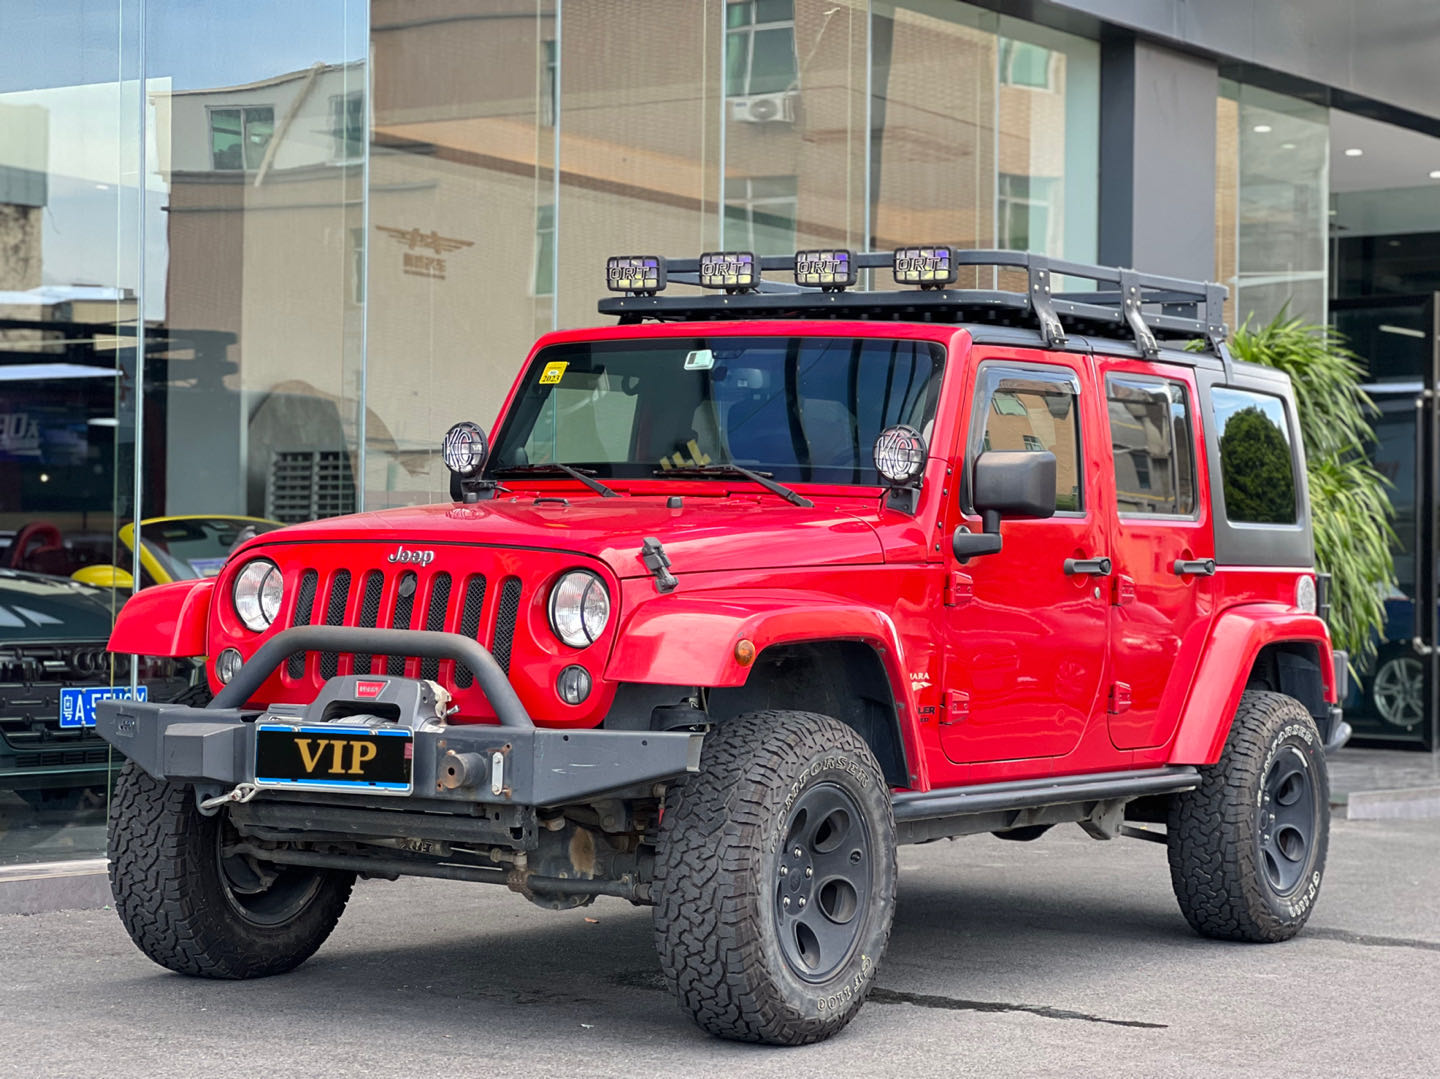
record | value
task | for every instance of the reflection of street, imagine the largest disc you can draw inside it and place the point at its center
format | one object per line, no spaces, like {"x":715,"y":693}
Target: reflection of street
{"x":48,"y":833}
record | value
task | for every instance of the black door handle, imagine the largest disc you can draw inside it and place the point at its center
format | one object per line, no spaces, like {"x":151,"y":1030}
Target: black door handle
{"x":1198,"y":567}
{"x":1094,"y":567}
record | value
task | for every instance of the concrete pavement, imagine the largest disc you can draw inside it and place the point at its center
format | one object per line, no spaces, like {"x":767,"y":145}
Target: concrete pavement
{"x":1062,"y":957}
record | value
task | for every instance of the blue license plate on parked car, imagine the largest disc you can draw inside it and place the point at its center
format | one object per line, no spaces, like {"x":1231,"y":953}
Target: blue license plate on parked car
{"x":77,"y":703}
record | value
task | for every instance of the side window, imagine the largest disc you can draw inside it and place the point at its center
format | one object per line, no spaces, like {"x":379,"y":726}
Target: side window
{"x":1033,"y":410}
{"x":1151,"y":435}
{"x":1256,"y":460}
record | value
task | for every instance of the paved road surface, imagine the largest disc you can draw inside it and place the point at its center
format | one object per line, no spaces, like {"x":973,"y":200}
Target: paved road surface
{"x":1062,"y":957}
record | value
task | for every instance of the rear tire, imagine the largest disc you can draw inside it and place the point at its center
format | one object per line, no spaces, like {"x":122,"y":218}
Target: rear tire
{"x":775,"y":879}
{"x":1247,"y":846}
{"x":190,"y":908}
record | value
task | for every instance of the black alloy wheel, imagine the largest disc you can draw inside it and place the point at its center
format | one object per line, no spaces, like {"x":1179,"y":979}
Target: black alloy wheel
{"x":825,"y":867}
{"x":1288,"y":820}
{"x":261,"y":893}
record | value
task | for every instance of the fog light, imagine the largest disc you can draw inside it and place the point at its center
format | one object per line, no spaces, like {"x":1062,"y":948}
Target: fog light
{"x":573,"y":685}
{"x":227,"y":665}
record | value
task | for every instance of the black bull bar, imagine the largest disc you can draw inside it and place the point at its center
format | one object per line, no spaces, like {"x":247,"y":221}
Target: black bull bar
{"x":215,"y":746}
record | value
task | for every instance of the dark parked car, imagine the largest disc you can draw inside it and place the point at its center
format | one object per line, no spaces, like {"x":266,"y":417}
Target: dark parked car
{"x":53,"y":667}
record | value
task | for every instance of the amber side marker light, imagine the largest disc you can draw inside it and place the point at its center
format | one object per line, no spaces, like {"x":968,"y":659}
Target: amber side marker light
{"x":744,"y":652}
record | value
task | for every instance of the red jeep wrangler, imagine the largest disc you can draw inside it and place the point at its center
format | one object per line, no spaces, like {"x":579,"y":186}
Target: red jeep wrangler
{"x":750,"y":589}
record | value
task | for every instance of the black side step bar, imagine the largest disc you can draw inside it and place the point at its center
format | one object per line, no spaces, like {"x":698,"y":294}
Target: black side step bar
{"x":1033,"y":793}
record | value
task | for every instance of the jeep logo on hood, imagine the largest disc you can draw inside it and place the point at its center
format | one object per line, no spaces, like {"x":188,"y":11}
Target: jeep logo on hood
{"x":420,"y":558}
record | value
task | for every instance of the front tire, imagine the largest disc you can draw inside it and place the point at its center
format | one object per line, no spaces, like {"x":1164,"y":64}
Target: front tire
{"x":775,"y":879}
{"x":1247,"y":846}
{"x":196,"y":910}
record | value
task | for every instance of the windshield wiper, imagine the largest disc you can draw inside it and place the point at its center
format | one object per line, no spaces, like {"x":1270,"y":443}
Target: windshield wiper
{"x":583,"y":475}
{"x":762,"y":478}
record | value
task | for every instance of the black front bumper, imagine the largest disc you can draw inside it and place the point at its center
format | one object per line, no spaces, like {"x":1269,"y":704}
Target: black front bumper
{"x":514,"y":763}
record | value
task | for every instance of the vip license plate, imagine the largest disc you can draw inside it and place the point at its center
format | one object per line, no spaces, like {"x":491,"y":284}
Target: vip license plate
{"x":334,"y":758}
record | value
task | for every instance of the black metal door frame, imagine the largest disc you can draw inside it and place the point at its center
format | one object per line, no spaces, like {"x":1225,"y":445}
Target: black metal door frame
{"x":1427,"y":506}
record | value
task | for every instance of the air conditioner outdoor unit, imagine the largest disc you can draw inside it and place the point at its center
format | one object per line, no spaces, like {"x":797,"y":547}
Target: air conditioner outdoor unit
{"x":764,"y":108}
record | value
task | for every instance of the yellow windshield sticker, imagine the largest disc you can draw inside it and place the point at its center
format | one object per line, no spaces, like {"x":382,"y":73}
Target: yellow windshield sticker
{"x":553,"y":371}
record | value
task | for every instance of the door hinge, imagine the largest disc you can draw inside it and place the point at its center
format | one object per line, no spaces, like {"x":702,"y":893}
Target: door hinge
{"x":1122,"y":591}
{"x":959,"y":589}
{"x":956,"y":707}
{"x":1119,"y":698}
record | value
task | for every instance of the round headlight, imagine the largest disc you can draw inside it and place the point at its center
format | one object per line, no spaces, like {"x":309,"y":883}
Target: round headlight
{"x":464,"y":449}
{"x":900,"y":454}
{"x":579,"y":608}
{"x":257,"y":593}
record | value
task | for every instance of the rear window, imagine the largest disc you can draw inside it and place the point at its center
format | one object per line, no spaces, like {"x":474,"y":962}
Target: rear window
{"x":1256,"y":457}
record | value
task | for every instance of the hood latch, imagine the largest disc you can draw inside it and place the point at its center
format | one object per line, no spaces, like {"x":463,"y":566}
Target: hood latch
{"x":658,"y":563}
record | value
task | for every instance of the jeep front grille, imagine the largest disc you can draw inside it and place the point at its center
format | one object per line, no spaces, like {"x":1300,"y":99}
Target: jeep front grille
{"x":404,"y":599}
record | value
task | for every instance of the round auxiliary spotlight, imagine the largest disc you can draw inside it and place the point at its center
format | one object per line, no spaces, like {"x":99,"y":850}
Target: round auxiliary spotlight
{"x":900,"y":454}
{"x":464,"y":449}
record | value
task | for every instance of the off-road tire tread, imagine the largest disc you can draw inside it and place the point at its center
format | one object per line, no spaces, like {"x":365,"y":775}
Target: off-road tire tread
{"x":706,"y":932}
{"x":158,"y":843}
{"x":1214,"y":865}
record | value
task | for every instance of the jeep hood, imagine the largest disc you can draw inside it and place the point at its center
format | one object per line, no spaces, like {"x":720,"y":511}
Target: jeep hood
{"x":703,"y":534}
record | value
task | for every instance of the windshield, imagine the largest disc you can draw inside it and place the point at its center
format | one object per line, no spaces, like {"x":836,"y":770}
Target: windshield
{"x":802,"y":409}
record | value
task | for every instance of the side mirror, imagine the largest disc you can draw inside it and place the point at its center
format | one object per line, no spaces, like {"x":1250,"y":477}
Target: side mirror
{"x":1008,"y":483}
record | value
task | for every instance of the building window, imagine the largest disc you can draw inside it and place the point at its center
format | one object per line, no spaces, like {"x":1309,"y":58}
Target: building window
{"x":760,"y":47}
{"x":1024,"y":64}
{"x":348,"y":124}
{"x":549,"y":74}
{"x":545,"y":250}
{"x":760,"y":214}
{"x":240,"y":137}
{"x":1025,"y":208}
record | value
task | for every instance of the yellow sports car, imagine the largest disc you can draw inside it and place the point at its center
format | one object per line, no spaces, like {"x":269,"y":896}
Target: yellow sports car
{"x":177,"y":548}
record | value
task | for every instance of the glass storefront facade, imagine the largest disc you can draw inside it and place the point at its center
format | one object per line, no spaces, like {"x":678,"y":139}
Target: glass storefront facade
{"x":256,"y":256}
{"x":1332,"y":216}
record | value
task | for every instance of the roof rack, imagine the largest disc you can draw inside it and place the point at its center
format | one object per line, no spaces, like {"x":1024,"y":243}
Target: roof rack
{"x":1148,"y":307}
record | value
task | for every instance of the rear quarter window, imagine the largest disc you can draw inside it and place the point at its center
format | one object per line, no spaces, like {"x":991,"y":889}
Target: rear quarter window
{"x":1257,"y":456}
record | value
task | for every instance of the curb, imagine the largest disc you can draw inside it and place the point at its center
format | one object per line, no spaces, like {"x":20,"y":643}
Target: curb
{"x":41,"y":888}
{"x":1413,"y":803}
